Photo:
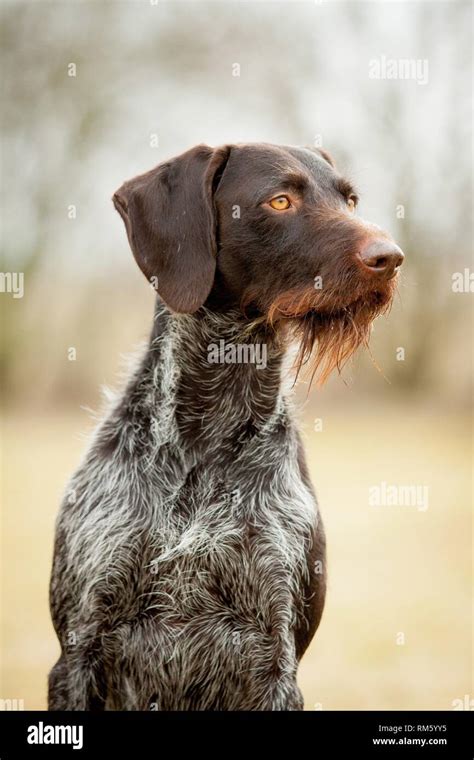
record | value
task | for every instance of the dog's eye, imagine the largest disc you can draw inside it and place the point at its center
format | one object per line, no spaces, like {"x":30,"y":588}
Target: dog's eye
{"x":351,"y":204}
{"x":280,"y":203}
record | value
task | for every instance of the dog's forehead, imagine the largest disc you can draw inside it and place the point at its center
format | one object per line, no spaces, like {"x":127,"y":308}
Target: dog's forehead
{"x":256,"y":162}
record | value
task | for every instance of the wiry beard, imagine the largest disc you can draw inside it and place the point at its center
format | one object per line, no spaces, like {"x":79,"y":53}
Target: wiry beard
{"x":328,"y":332}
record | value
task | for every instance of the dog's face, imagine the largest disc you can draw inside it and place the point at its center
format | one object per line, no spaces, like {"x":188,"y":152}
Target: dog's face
{"x":269,"y":229}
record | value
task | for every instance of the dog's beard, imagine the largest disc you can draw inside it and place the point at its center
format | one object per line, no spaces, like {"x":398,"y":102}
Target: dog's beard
{"x":328,"y":332}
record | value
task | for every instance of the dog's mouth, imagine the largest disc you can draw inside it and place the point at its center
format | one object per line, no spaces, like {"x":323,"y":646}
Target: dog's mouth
{"x":372,"y":300}
{"x":327,"y":330}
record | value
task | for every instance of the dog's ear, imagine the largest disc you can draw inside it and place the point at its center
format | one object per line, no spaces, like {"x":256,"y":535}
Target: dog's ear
{"x":323,"y":153}
{"x":327,"y":157}
{"x":171,"y":225}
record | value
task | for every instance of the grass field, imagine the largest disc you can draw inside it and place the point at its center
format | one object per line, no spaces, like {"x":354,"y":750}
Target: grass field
{"x":397,"y":629}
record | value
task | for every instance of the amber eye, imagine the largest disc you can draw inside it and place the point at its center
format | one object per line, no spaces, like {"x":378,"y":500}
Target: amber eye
{"x":351,"y":205}
{"x":280,"y":203}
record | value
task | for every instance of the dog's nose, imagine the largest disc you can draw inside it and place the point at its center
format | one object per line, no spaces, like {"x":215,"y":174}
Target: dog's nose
{"x":382,"y":257}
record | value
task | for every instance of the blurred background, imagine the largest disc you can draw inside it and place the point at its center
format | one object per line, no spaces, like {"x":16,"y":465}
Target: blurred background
{"x":94,"y":93}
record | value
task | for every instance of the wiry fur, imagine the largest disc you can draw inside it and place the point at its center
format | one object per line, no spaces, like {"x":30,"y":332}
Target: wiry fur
{"x":179,"y":566}
{"x":189,"y":565}
{"x":328,"y":336}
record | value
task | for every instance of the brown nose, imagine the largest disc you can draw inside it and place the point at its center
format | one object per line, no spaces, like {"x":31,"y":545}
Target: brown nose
{"x":382,"y":257}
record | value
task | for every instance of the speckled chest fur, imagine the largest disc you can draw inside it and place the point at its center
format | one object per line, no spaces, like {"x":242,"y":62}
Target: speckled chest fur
{"x":187,"y":540}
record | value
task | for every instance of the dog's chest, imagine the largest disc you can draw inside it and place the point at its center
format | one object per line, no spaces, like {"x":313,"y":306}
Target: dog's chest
{"x":222,"y":548}
{"x":201,"y":543}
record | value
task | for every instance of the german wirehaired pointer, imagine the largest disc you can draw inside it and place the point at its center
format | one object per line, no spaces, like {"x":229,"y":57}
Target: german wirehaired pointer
{"x":189,"y":562}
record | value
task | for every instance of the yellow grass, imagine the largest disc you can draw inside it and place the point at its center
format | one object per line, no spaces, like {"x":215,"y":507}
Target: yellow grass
{"x":392,"y":569}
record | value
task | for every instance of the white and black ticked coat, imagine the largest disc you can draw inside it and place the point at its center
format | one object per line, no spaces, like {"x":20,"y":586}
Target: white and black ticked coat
{"x":189,"y":566}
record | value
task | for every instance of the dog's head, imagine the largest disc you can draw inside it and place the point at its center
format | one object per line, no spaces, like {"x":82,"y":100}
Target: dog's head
{"x":268,"y":229}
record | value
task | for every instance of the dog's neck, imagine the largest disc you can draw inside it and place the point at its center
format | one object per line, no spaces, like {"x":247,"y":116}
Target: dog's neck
{"x":214,"y":376}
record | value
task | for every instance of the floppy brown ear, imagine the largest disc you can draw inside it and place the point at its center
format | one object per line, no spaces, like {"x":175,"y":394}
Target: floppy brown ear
{"x":171,"y":225}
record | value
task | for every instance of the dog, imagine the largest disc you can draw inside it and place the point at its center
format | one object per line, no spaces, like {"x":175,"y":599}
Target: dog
{"x":189,"y":566}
